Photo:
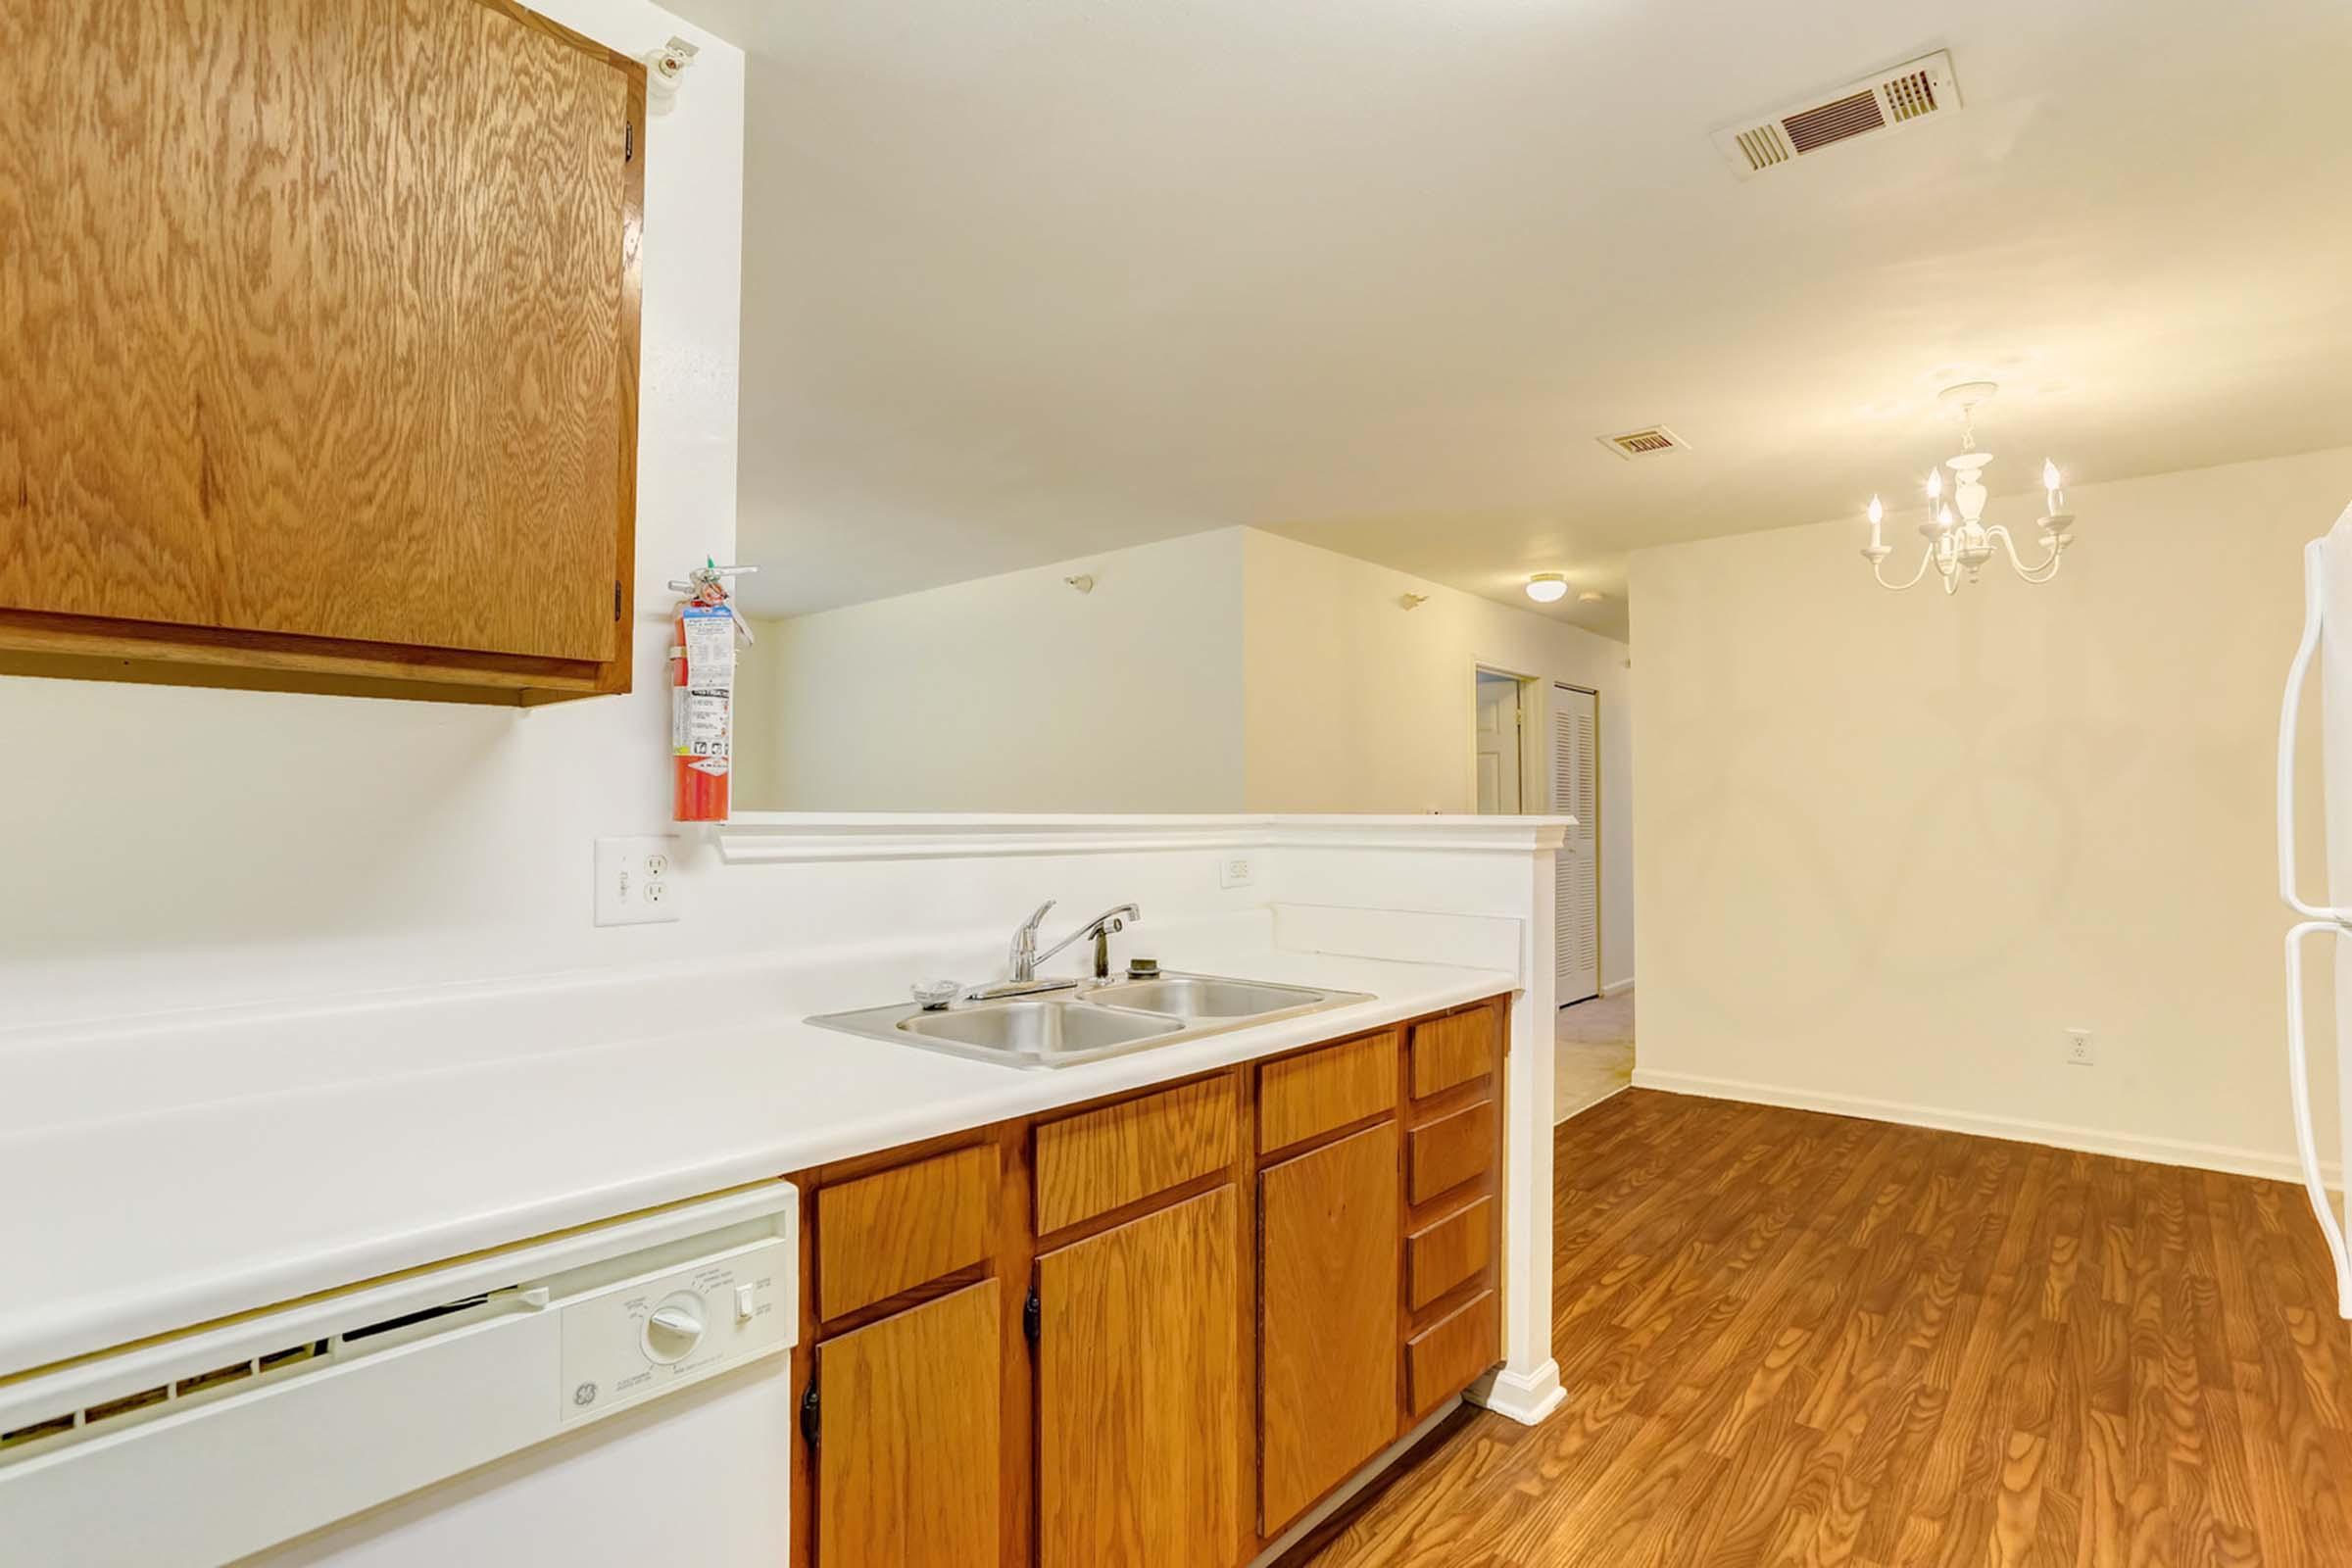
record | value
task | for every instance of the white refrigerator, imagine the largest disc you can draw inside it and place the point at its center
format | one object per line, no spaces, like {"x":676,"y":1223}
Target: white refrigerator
{"x":2328,"y":641}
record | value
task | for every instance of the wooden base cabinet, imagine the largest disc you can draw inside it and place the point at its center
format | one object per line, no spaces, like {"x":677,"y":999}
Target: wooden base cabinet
{"x":1139,"y":1391}
{"x":1327,"y":1336}
{"x":907,"y":1468}
{"x":1152,"y":1330}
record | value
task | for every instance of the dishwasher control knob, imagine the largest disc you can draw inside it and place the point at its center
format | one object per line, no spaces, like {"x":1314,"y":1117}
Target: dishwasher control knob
{"x":675,"y":1328}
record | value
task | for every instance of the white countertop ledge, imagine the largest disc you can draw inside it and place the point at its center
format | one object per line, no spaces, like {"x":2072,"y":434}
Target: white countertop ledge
{"x":149,"y":1223}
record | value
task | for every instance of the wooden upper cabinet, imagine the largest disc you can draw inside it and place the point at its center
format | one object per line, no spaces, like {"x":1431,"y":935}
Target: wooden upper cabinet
{"x":318,"y":343}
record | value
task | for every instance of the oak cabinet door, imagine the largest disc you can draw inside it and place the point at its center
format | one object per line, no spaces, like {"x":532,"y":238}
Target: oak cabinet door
{"x":908,"y":1465}
{"x":1138,"y":1410}
{"x":1328,"y":1318}
{"x":323,"y":353}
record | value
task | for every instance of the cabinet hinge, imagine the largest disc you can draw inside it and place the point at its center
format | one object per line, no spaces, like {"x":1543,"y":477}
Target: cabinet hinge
{"x":617,"y":599}
{"x":628,"y":141}
{"x":1033,"y":1318}
{"x":810,"y":1415}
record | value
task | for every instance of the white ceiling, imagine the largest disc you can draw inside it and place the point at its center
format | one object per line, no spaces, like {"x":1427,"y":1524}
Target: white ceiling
{"x":1028,"y":281}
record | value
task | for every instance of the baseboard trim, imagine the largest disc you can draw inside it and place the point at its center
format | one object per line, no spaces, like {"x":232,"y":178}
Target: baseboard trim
{"x":1526,"y":1397}
{"x":2083,"y":1140}
{"x":1610,"y":987}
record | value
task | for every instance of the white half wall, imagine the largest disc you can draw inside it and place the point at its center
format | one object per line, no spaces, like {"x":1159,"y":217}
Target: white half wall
{"x":1227,"y":670}
{"x":1891,"y":847}
{"x":220,"y":846}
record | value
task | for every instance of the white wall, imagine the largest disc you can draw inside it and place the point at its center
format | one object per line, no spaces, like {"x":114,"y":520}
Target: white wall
{"x":1014,"y":693}
{"x":1892,"y":846}
{"x":1358,"y":705}
{"x":215,"y":845}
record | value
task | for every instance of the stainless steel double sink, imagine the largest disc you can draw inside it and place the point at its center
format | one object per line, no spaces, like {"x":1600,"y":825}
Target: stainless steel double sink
{"x":1088,"y":1020}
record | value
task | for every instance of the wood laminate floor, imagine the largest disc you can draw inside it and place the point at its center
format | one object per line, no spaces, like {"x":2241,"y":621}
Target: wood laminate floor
{"x":1799,"y":1338}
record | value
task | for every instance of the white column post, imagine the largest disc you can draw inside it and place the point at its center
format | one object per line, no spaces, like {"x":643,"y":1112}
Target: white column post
{"x":1528,"y":1388}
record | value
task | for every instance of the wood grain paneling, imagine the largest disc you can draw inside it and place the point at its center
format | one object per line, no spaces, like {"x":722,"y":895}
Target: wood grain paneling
{"x":1792,"y":1337}
{"x":907,"y":1469}
{"x":1450,"y":1353}
{"x":1453,"y":1050}
{"x":1138,"y":1380}
{"x":889,"y":1232}
{"x":1449,"y":1151}
{"x":320,"y":321}
{"x":1304,"y":1096}
{"x":1327,"y":1317}
{"x":1441,"y":1256}
{"x":1100,"y":1161}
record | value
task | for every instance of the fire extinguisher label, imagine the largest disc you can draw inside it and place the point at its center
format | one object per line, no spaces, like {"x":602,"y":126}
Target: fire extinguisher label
{"x":700,"y":711}
{"x":710,"y":647}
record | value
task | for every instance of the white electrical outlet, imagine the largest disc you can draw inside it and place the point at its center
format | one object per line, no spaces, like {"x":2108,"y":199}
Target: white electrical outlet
{"x":1236,"y":872}
{"x":2079,"y":1050}
{"x":633,"y":881}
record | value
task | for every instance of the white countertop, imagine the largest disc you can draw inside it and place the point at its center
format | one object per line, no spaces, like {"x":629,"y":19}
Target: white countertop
{"x":116,"y":1229}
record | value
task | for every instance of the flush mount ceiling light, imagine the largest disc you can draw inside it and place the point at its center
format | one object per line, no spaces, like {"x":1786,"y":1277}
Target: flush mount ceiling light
{"x":1546,"y":586}
{"x":1963,"y":544}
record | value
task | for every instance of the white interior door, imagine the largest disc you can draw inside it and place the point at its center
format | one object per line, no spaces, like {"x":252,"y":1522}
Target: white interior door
{"x":1498,"y":745}
{"x":1576,"y":792}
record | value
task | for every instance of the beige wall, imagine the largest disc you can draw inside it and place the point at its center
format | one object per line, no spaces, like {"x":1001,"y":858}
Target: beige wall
{"x":1358,"y":705}
{"x":1014,"y":693}
{"x":1891,"y":847}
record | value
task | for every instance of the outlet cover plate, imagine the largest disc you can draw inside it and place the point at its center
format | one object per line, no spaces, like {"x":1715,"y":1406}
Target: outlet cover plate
{"x":2079,"y":1051}
{"x":1236,"y":872}
{"x":636,"y":880}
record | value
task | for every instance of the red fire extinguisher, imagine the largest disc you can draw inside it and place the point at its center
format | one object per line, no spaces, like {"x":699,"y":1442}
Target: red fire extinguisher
{"x":702,"y":701}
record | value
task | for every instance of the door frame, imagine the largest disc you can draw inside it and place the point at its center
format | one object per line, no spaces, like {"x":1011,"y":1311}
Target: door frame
{"x":1600,"y":810}
{"x":1534,"y":713}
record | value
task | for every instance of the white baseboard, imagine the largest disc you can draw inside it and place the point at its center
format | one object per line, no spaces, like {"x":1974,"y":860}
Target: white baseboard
{"x":1610,"y":987}
{"x":2085,"y":1139}
{"x":1526,"y":1397}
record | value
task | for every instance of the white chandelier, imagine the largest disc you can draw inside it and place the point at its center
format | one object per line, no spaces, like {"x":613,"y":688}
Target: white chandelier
{"x":1963,"y":544}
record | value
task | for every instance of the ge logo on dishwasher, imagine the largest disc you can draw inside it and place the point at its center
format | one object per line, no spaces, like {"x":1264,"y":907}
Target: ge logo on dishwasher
{"x":585,"y":1393}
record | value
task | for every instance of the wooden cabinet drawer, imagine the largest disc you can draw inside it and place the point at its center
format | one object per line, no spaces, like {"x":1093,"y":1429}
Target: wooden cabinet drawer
{"x":1449,"y":1151}
{"x":1438,"y":1258}
{"x":1445,"y":1358}
{"x":1303,"y":1096}
{"x":898,"y":1229}
{"x":1099,"y":1160}
{"x":1453,"y":1050}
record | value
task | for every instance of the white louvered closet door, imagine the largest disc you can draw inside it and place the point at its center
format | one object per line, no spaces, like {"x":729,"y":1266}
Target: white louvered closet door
{"x":1576,"y":792}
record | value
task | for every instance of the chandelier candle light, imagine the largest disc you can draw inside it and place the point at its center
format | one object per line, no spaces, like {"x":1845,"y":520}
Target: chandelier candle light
{"x":1964,"y":543}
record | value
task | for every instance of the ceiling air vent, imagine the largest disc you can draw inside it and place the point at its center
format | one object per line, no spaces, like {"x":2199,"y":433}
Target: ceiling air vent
{"x":1646,"y":442}
{"x":1891,"y":100}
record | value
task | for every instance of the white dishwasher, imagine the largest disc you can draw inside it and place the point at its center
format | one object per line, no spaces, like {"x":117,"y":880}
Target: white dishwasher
{"x":616,"y":1394}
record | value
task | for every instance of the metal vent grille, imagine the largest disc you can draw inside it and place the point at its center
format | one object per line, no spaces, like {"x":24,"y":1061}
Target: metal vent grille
{"x":1644,"y":443}
{"x":1910,"y":95}
{"x":1764,"y":146}
{"x":1912,"y":92}
{"x":1856,"y":115}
